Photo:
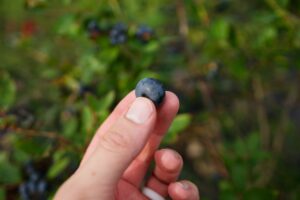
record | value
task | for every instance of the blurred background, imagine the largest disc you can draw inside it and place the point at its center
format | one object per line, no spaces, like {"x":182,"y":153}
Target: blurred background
{"x":234,"y":64}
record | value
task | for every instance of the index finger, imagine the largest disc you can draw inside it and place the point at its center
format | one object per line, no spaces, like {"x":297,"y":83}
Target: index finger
{"x":119,"y":110}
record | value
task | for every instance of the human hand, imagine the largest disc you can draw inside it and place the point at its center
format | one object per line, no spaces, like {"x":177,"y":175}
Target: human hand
{"x":116,"y":161}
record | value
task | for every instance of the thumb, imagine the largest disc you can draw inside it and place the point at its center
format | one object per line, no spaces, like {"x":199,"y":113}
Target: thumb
{"x":119,"y":146}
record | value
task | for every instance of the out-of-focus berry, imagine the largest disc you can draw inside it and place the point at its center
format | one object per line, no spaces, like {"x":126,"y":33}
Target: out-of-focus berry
{"x":118,"y":34}
{"x":144,"y":33}
{"x":93,"y":29}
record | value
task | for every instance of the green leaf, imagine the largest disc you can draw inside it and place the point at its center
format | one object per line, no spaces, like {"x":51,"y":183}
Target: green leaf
{"x":109,"y":55}
{"x":239,"y":175}
{"x":220,"y":30}
{"x":266,"y":37}
{"x":35,"y":146}
{"x":7,"y":91}
{"x":59,"y":165}
{"x":106,"y":101}
{"x":180,"y":123}
{"x":101,"y":106}
{"x":9,"y":174}
{"x":238,"y":69}
{"x":67,"y":25}
{"x":89,"y":67}
{"x":283,"y":3}
{"x":259,"y":194}
{"x":70,"y":126}
{"x":2,"y":193}
{"x":240,"y":148}
{"x":87,"y":119}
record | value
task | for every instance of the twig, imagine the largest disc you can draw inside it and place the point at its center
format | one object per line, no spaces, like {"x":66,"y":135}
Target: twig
{"x":282,"y":13}
{"x":263,"y":122}
{"x":284,"y":120}
{"x":182,"y":18}
{"x":202,"y":13}
{"x":50,"y":135}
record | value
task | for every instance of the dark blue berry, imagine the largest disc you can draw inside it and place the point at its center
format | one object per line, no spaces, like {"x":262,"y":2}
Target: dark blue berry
{"x":41,"y":187}
{"x":118,"y":34}
{"x":23,"y":190}
{"x":152,"y":89}
{"x":35,"y":187}
{"x":93,"y":29}
{"x":144,"y":33}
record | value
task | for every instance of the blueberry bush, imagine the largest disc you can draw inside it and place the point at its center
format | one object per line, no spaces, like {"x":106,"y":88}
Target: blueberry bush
{"x":234,"y":65}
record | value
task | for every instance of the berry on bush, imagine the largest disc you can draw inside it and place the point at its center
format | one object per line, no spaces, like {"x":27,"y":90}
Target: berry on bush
{"x":34,"y":187}
{"x":144,"y":33}
{"x":152,"y":89}
{"x":93,"y":29}
{"x":118,"y":34}
{"x":29,"y":28}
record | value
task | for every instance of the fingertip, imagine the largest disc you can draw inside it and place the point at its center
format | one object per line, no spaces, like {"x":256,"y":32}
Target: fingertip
{"x":183,"y":190}
{"x":172,"y":101}
{"x":168,"y":160}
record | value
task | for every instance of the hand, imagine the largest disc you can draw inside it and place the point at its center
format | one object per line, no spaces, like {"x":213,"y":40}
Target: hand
{"x":116,"y":161}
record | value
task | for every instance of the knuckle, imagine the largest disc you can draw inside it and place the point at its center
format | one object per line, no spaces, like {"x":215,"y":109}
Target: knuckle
{"x":115,"y":141}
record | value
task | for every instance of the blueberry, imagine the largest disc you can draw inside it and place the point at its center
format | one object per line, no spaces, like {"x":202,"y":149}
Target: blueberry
{"x":152,"y":89}
{"x":41,"y":187}
{"x":93,"y":29}
{"x":24,"y":193}
{"x":144,"y":33}
{"x":35,"y":186}
{"x":118,"y":34}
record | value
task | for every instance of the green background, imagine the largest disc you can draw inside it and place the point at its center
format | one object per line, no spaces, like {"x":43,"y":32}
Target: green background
{"x":233,"y":64}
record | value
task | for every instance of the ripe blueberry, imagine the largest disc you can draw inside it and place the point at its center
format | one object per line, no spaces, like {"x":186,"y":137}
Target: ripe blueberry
{"x":152,"y":89}
{"x":144,"y":33}
{"x":118,"y":34}
{"x":93,"y":29}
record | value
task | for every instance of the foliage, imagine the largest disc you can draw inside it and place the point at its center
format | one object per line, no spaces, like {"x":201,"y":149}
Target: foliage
{"x":233,"y":64}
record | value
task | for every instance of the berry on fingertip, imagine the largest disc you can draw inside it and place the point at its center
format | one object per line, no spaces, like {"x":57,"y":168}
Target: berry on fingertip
{"x":151,"y":89}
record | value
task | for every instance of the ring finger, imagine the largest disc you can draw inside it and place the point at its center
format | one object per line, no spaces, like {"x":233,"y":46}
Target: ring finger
{"x":167,"y":169}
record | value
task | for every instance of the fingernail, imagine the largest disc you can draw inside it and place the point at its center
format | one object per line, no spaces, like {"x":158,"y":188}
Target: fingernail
{"x":184,"y":185}
{"x":140,"y":111}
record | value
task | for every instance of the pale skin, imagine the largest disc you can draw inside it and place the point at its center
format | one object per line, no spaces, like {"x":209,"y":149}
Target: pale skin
{"x":118,"y":157}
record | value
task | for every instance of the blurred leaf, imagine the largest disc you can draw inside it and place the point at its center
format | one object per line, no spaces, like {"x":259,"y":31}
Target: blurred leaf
{"x":87,"y":118}
{"x":7,"y":91}
{"x":259,"y":194}
{"x":106,"y":101}
{"x":2,"y":193}
{"x":220,"y":30}
{"x":70,"y":127}
{"x":101,"y":105}
{"x":238,"y":70}
{"x":253,"y":142}
{"x":34,"y":146}
{"x":227,"y":195}
{"x":90,"y":66}
{"x":266,"y":37}
{"x":108,"y":55}
{"x":20,"y":156}
{"x":59,"y":165}
{"x":151,"y":47}
{"x":181,"y":122}
{"x":238,"y":175}
{"x":67,"y":25}
{"x":283,"y":3}
{"x":9,"y":174}
{"x":240,"y":148}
